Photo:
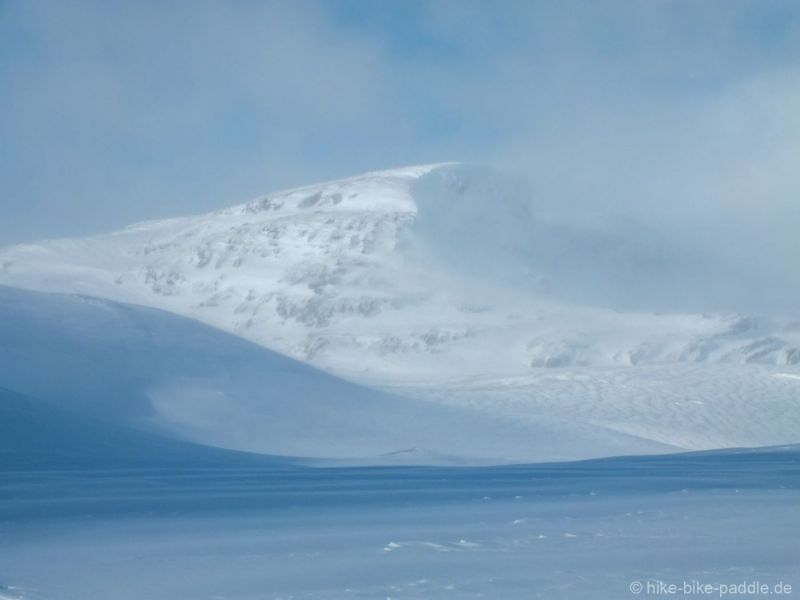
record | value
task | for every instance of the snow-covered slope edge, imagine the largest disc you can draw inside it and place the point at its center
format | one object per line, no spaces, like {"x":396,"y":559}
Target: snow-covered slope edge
{"x":141,"y":367}
{"x":147,"y":368}
{"x":38,"y":435}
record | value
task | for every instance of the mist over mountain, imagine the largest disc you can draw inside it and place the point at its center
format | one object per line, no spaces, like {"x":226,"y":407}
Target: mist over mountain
{"x":246,"y":354}
{"x":439,"y":271}
{"x":491,"y":223}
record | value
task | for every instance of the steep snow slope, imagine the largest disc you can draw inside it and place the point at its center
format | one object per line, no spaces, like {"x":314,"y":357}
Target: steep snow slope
{"x":434,"y":272}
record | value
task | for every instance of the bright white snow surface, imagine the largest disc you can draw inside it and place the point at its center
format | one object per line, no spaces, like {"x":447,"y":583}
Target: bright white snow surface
{"x":425,"y":286}
{"x":417,"y":274}
{"x":149,"y":369}
{"x":359,"y":327}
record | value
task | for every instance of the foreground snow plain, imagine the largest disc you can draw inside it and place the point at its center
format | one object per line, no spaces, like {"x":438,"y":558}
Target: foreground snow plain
{"x":241,"y":530}
{"x":103,"y":508}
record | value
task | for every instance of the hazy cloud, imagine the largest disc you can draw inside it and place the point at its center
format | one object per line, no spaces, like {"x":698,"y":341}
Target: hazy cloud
{"x":683,"y":114}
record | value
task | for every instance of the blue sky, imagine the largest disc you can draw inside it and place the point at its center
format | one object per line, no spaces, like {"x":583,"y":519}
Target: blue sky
{"x":683,"y":113}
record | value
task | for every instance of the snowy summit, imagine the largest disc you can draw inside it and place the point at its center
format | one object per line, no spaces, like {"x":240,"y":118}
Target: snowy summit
{"x":443,"y":283}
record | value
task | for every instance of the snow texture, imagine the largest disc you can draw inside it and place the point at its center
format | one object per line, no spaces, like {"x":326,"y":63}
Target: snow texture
{"x":241,"y":530}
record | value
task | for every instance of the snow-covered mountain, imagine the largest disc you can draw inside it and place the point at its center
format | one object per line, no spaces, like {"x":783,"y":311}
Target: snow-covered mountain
{"x":435,"y":272}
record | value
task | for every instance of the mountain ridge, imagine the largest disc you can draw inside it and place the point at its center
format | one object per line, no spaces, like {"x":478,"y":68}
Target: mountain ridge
{"x":358,"y":277}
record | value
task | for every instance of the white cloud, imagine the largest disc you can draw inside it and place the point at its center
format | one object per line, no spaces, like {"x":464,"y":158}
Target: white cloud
{"x":682,"y":113}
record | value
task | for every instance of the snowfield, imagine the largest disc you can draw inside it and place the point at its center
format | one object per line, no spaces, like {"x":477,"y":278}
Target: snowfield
{"x":244,"y":531}
{"x":440,"y":285}
{"x":90,"y":510}
{"x":372,"y":388}
{"x":151,"y":370}
{"x":423,"y":273}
